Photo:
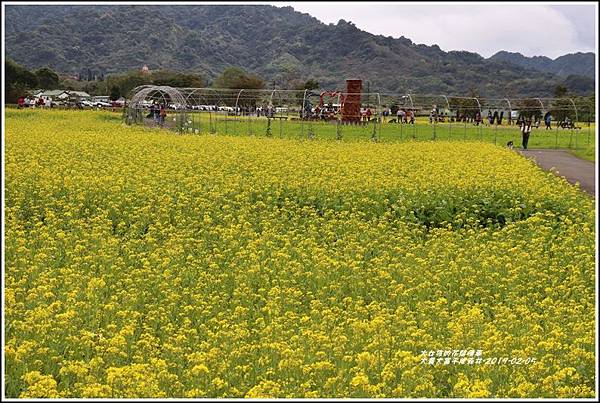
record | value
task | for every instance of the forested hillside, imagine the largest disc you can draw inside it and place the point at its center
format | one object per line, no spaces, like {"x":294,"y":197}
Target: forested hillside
{"x":278,"y":44}
{"x":582,"y":64}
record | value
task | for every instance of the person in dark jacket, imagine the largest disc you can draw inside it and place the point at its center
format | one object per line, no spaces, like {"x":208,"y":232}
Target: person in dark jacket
{"x":496,"y":118}
{"x":548,"y":120}
{"x":162,"y":115}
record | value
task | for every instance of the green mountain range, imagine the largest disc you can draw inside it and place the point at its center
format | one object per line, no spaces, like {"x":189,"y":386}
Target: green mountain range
{"x":278,"y":44}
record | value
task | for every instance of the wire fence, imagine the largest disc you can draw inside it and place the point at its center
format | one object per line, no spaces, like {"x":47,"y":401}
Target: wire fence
{"x":308,"y":114}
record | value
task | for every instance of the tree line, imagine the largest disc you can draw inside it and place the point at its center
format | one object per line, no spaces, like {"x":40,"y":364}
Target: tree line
{"x":20,"y":81}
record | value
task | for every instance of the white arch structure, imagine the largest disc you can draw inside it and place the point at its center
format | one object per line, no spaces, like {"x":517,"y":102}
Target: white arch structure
{"x":143,"y":92}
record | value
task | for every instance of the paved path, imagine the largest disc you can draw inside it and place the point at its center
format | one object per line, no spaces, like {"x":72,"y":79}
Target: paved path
{"x":573,"y":169}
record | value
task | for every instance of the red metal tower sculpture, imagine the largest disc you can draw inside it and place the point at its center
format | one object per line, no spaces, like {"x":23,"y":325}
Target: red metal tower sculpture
{"x":351,"y":101}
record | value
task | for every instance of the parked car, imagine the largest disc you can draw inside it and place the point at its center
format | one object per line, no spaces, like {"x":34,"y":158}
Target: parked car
{"x":102,"y":104}
{"x":85,"y":103}
{"x":207,"y":107}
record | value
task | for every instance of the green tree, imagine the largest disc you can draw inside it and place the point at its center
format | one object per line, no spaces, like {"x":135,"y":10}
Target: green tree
{"x":310,"y":84}
{"x":47,"y":78}
{"x":174,"y":79}
{"x":115,"y":93}
{"x":18,"y":80}
{"x":561,"y":109}
{"x":529,"y":108}
{"x":15,"y":73}
{"x":234,"y":77}
{"x":128,"y":81}
{"x":560,"y":91}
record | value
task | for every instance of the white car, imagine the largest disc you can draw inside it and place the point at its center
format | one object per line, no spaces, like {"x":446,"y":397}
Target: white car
{"x":102,"y":104}
{"x":87,"y":103}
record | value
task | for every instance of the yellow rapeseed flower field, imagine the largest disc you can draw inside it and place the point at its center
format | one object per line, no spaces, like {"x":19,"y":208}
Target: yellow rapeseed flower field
{"x":142,"y":263}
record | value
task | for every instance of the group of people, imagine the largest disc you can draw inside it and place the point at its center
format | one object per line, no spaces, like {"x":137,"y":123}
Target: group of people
{"x":366,"y":115}
{"x":495,"y":117}
{"x":27,"y":102}
{"x":323,"y":112}
{"x":408,"y":116}
{"x":405,"y":116}
{"x":158,"y":113}
{"x":268,"y":111}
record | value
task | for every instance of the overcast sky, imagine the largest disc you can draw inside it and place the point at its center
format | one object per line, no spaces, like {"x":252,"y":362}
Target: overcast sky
{"x":534,"y":29}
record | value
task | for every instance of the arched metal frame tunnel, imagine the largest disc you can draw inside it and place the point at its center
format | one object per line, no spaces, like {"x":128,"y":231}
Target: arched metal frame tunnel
{"x":267,"y":111}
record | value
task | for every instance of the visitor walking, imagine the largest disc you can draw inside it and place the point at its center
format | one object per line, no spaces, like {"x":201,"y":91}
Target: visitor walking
{"x":548,"y":120}
{"x":157,"y":114}
{"x":162,"y":114}
{"x":526,"y":131}
{"x":432,"y":115}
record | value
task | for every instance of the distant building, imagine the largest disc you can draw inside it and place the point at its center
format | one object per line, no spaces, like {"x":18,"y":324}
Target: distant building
{"x":79,"y":95}
{"x":52,"y":95}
